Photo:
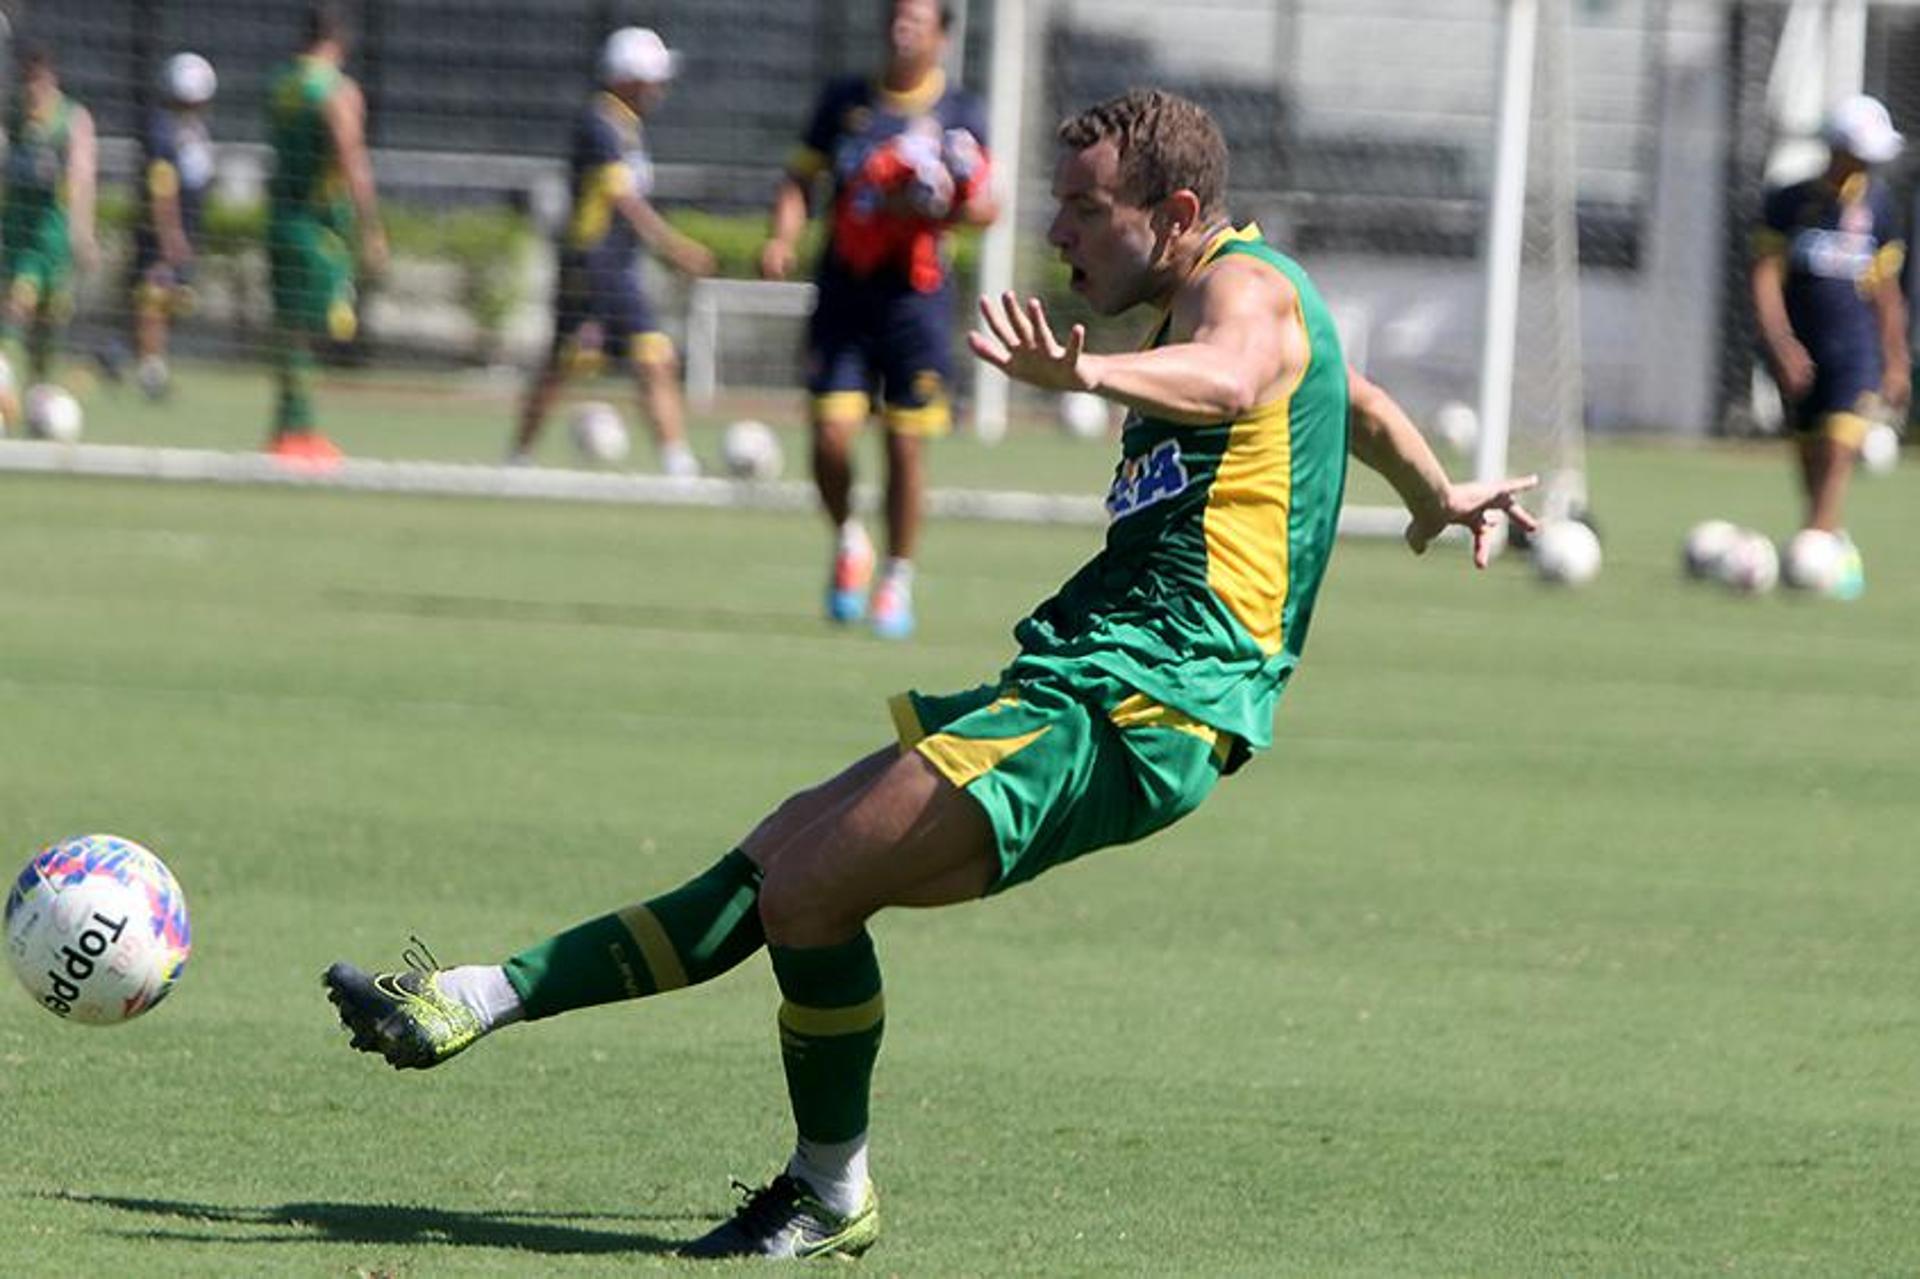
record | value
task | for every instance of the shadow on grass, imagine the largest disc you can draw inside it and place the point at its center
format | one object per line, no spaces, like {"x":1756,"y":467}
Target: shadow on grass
{"x":374,"y":1223}
{"x":647,"y":617}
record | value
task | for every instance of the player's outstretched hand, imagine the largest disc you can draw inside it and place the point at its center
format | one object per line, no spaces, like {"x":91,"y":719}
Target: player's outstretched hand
{"x":1479,"y":507}
{"x":1020,"y":343}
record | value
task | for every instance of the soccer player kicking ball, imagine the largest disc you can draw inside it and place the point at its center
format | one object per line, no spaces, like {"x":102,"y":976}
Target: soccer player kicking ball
{"x":1151,"y":674}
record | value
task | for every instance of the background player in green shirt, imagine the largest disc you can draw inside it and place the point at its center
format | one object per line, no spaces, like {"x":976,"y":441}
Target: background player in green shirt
{"x":320,"y":199}
{"x":47,"y":227}
{"x":1150,"y":674}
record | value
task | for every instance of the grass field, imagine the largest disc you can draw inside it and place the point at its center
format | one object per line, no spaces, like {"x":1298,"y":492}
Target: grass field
{"x":1563,"y":933}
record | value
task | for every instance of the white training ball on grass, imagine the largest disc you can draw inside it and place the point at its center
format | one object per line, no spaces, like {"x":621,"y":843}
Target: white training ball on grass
{"x":97,"y":929}
{"x":1707,"y":544}
{"x":1812,"y":561}
{"x":1084,"y":415}
{"x":1457,"y":423}
{"x":1751,"y":566}
{"x":1566,"y":553}
{"x":751,"y":451}
{"x":1880,"y":450}
{"x":52,"y":413}
{"x":599,"y":432}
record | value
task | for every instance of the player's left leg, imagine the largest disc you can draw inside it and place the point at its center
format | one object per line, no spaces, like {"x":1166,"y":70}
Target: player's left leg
{"x":1827,"y":449}
{"x":909,"y":837}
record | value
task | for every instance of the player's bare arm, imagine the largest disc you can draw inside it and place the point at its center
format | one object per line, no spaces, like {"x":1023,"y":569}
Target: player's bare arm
{"x":346,"y":116}
{"x":1890,"y":311}
{"x":1237,"y":344}
{"x":786,"y":221}
{"x":1792,"y":366}
{"x":1383,"y":438}
{"x":688,"y":256}
{"x":81,"y":177}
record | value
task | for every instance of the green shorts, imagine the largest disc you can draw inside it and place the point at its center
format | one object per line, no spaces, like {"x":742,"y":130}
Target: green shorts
{"x":312,"y":271}
{"x":38,"y":274}
{"x":1063,"y":762}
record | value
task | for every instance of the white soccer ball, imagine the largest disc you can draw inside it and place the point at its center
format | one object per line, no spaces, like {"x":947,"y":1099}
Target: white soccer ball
{"x":97,"y":929}
{"x":1458,"y":424}
{"x":599,"y":432}
{"x":52,"y":413}
{"x":751,"y":451}
{"x":1880,"y":450}
{"x":1751,"y":566}
{"x":1084,"y":415}
{"x":1707,"y":544}
{"x":1812,"y":560}
{"x":1566,"y":553}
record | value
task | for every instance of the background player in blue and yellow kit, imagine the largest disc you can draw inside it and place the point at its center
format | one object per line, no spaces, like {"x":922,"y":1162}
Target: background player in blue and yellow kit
{"x":600,"y":305}
{"x":47,"y":227}
{"x":906,"y":158}
{"x":176,"y":173}
{"x":1831,"y":313}
{"x":1152,"y":672}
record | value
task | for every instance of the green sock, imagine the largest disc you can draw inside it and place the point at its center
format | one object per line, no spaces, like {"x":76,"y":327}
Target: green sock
{"x":293,"y":369}
{"x":830,"y":1027}
{"x":692,"y":934}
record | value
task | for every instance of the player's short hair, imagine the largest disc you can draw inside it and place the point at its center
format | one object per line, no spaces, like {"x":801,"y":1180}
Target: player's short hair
{"x":324,"y":20}
{"x":35,"y":56}
{"x":946,"y":14}
{"x":1166,"y":144}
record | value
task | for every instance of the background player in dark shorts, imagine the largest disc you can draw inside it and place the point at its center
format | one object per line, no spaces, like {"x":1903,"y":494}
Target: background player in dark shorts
{"x":600,"y":305}
{"x":1832,"y":317}
{"x":175,"y":174}
{"x":907,"y":158}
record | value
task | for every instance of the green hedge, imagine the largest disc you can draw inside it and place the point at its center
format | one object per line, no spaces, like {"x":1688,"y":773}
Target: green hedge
{"x":487,"y":244}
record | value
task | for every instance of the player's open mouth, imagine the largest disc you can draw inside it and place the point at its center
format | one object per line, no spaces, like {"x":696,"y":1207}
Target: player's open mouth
{"x":1077,"y":278}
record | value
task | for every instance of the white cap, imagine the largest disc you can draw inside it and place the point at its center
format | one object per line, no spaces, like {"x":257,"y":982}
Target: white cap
{"x":189,"y":78}
{"x":1861,"y":127}
{"x":637,"y":53}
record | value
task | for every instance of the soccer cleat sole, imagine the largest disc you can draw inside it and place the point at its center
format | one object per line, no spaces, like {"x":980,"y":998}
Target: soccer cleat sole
{"x":375,"y":1023}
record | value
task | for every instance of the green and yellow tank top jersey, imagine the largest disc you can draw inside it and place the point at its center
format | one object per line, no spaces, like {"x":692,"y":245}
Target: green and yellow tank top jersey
{"x":1219,"y":537}
{"x":39,"y":146}
{"x":306,"y":172}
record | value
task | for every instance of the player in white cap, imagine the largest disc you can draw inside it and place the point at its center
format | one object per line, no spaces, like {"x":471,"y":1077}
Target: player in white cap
{"x":1832,"y":318}
{"x":600,"y":304}
{"x":175,"y":174}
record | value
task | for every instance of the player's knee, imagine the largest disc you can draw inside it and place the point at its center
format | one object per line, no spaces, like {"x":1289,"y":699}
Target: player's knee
{"x":800,"y":907}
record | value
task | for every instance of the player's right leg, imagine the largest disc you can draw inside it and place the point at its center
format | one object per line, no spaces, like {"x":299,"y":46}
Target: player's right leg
{"x":838,"y":384}
{"x":656,"y":372}
{"x":420,"y":1016}
{"x":154,"y":301}
{"x":311,"y":273}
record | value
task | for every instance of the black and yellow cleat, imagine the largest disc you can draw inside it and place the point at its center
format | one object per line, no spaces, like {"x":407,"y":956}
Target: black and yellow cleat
{"x":404,"y":1016}
{"x":784,"y":1219}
